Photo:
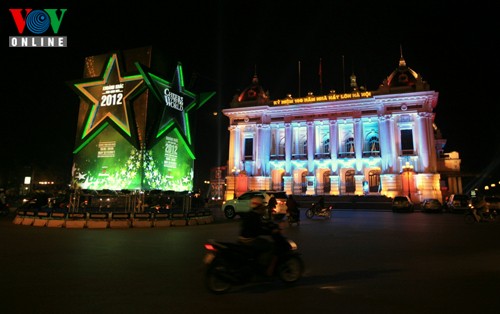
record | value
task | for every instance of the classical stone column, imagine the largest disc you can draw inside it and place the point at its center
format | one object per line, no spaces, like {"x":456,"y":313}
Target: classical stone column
{"x":310,"y":146}
{"x":232,"y":147}
{"x":358,"y":144}
{"x":392,"y":157}
{"x":424,"y":149}
{"x":257,"y":141}
{"x":384,"y":140}
{"x":264,"y":154}
{"x":288,"y":148}
{"x":334,"y":145}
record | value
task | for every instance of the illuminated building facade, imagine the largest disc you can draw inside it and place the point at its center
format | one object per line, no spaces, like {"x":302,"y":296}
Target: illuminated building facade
{"x":381,"y":142}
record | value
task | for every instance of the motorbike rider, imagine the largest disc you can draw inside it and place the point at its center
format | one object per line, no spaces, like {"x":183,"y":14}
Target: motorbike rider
{"x":480,"y":208}
{"x":292,"y":208}
{"x":255,"y":232}
{"x":271,"y":205}
{"x":321,"y":204}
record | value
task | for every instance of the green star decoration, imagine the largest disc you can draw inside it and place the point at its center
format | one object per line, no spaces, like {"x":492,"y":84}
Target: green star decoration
{"x":176,"y":105}
{"x":110,"y":97}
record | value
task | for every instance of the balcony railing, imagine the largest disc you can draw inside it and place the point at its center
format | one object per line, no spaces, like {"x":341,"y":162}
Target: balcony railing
{"x":322,"y":156}
{"x":371,"y":153}
{"x":347,"y":155}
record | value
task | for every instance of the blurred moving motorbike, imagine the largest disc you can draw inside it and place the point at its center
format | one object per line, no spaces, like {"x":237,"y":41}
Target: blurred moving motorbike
{"x":229,"y":264}
{"x":472,"y":216}
{"x":317,"y":210}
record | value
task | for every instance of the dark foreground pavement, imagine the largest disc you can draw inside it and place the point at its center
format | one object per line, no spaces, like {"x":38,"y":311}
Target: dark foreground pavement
{"x":357,"y":262}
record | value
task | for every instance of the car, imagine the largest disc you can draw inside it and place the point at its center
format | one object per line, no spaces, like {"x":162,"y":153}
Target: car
{"x":432,"y":205}
{"x":241,"y":205}
{"x":458,"y":203}
{"x":35,"y":202}
{"x":402,"y":203}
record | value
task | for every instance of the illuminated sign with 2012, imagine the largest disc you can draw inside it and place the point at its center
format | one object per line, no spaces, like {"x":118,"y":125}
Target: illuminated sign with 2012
{"x":112,"y":95}
{"x":173,"y":100}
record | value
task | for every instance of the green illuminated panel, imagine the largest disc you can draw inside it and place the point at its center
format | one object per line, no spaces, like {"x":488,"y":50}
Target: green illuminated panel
{"x":169,"y":165}
{"x":109,"y":161}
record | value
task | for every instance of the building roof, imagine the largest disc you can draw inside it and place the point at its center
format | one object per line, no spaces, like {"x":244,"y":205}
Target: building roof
{"x":252,"y":95}
{"x":402,"y":80}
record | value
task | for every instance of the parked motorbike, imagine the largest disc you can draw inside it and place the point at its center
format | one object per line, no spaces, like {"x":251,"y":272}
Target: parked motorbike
{"x":230,"y":264}
{"x":472,"y":216}
{"x":316,"y":210}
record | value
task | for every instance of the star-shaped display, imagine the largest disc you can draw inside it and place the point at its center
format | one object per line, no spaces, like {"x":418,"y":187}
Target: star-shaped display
{"x":109,"y":97}
{"x":177,"y":102}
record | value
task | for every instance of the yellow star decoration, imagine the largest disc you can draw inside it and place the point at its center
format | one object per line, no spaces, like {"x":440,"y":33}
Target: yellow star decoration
{"x":109,"y":97}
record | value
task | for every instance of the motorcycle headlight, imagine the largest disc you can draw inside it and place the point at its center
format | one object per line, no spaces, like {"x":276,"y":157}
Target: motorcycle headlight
{"x":293,"y":245}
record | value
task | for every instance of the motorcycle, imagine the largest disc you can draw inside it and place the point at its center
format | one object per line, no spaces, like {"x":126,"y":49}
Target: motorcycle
{"x":316,"y":210}
{"x":230,"y":264}
{"x":471,"y":216}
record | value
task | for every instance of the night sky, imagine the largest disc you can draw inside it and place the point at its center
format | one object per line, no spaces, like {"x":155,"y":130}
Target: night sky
{"x":221,"y":44}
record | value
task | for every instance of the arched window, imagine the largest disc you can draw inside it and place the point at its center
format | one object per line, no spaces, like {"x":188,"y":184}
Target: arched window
{"x":299,"y":146}
{"x":277,"y":143}
{"x":326,"y":145}
{"x":349,"y":147}
{"x":281,"y":152}
{"x":323,"y":142}
{"x":372,"y":146}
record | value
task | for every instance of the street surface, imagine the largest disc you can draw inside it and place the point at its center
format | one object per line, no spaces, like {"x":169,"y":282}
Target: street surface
{"x":357,"y":262}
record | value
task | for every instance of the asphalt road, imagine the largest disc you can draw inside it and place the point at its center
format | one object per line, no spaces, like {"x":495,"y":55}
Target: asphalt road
{"x":357,"y":262}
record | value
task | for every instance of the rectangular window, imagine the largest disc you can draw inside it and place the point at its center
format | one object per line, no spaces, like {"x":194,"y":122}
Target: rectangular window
{"x":407,"y":142}
{"x":248,"y":148}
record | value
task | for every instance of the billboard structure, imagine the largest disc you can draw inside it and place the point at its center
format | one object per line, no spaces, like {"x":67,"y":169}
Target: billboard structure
{"x":133,"y":129}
